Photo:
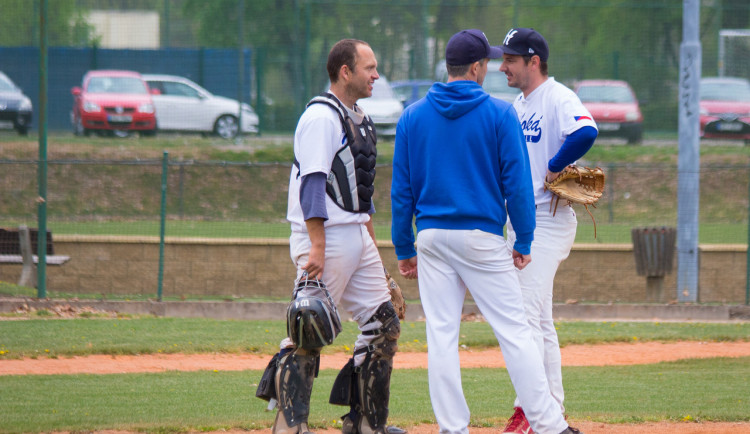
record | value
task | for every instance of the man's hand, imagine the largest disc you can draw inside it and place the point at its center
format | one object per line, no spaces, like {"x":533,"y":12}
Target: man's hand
{"x":317,"y":257}
{"x":408,"y":267}
{"x":316,"y":262}
{"x":520,"y":261}
{"x":551,"y":176}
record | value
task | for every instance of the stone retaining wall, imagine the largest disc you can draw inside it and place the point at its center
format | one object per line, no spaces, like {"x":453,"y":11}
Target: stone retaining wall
{"x":262,"y":268}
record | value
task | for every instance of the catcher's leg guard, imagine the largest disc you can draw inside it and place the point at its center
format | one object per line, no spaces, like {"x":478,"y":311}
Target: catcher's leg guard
{"x":267,"y":384}
{"x":294,"y":381}
{"x":366,"y":388}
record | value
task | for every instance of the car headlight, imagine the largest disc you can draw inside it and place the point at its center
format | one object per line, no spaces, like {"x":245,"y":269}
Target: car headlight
{"x":25,"y":105}
{"x":146,"y":107}
{"x":631,"y":116}
{"x":90,"y":107}
{"x":246,"y":108}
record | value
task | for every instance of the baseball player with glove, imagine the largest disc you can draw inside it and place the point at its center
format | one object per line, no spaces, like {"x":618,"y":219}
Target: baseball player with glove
{"x":459,"y":157}
{"x":558,"y":130}
{"x":332,"y":245}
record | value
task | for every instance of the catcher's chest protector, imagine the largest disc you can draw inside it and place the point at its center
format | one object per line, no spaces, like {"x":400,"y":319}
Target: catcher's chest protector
{"x":351,"y":180}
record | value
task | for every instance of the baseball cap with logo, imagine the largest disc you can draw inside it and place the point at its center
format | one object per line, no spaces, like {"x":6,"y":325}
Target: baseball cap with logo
{"x":525,"y":42}
{"x":469,"y":46}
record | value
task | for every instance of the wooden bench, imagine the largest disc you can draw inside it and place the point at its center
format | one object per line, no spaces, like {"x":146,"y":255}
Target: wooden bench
{"x":20,"y":246}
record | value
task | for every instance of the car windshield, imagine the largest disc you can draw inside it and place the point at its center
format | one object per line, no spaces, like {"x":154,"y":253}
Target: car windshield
{"x":495,"y":82}
{"x":130,"y":85}
{"x":605,"y":94}
{"x":725,"y":91}
{"x":5,"y":84}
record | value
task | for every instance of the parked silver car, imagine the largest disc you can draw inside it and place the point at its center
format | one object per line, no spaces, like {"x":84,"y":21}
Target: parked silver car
{"x":183,"y":105}
{"x":15,"y":107}
{"x":383,"y":107}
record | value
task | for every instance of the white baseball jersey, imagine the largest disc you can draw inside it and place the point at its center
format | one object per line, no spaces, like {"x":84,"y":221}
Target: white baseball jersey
{"x":318,"y":137}
{"x":549,"y":114}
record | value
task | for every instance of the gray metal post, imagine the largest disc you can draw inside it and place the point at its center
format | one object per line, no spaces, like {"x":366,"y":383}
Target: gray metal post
{"x":688,"y":167}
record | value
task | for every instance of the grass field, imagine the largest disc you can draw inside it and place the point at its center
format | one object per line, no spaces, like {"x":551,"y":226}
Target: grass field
{"x":50,"y":338}
{"x":695,"y":390}
{"x":713,"y":233}
{"x":225,"y":189}
{"x":691,"y":390}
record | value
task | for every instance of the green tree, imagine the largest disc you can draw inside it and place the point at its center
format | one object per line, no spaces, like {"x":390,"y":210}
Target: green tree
{"x":66,"y":24}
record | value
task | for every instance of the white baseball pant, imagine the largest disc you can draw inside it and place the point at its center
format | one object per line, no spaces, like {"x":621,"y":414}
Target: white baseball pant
{"x":353,"y":274}
{"x":553,"y":239}
{"x":449,"y":261}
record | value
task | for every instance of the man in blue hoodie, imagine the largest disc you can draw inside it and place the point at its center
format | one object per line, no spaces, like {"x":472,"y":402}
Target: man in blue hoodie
{"x":459,"y":161}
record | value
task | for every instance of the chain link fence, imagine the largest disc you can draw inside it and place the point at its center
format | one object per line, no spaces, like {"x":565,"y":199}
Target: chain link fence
{"x":282,"y":47}
{"x":245,"y":200}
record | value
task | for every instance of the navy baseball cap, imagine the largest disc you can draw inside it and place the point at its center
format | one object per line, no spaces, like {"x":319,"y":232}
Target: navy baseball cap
{"x":525,"y":42}
{"x":469,"y":46}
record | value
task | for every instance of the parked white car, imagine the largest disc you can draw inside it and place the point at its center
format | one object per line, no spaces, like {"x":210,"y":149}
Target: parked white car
{"x":384,"y":107}
{"x":183,"y":105}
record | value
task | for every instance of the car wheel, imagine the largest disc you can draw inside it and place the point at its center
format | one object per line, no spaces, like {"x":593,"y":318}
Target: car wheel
{"x":635,"y":136}
{"x":226,"y":127}
{"x":148,"y":133}
{"x":23,"y":130}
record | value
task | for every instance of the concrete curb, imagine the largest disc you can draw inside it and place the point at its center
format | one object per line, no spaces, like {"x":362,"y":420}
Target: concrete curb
{"x":277,"y":310}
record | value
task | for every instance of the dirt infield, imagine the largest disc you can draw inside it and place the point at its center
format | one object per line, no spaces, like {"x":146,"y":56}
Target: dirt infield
{"x":572,"y":355}
{"x":590,"y":428}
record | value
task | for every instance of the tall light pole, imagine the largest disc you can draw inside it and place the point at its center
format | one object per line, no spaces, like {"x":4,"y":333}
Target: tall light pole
{"x":688,"y":165}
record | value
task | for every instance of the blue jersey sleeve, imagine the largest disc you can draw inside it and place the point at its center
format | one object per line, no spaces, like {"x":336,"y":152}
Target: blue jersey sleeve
{"x":574,"y":147}
{"x":402,"y":199}
{"x":312,"y":196}
{"x":516,"y":184}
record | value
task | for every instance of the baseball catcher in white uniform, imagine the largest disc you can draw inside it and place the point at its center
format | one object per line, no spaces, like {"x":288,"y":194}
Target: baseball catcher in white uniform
{"x":333,"y":246}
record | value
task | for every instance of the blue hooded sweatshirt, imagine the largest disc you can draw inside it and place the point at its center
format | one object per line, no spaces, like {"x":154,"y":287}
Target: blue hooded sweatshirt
{"x":459,"y":160}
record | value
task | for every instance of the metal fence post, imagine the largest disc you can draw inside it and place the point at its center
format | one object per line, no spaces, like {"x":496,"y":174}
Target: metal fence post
{"x":42,"y":168}
{"x":162,"y":224}
{"x":747,"y":254}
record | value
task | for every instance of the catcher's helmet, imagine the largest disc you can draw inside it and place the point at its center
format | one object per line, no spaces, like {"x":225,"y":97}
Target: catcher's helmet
{"x":312,"y":320}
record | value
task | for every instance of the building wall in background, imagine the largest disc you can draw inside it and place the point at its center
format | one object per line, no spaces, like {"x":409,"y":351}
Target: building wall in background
{"x":126,"y":29}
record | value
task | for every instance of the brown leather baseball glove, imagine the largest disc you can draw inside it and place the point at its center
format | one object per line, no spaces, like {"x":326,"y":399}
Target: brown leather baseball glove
{"x":397,"y":298}
{"x":578,"y":184}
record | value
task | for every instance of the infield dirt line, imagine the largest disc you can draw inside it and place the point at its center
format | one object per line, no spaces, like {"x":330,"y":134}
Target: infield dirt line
{"x":572,"y":355}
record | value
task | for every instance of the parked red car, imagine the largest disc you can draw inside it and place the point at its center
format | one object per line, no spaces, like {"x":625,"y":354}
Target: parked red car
{"x":725,"y":108}
{"x":113,"y":102}
{"x":614,"y":107}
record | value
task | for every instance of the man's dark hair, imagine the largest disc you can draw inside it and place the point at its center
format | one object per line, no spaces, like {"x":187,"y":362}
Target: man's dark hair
{"x":344,"y":52}
{"x":543,"y":67}
{"x":459,"y":70}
